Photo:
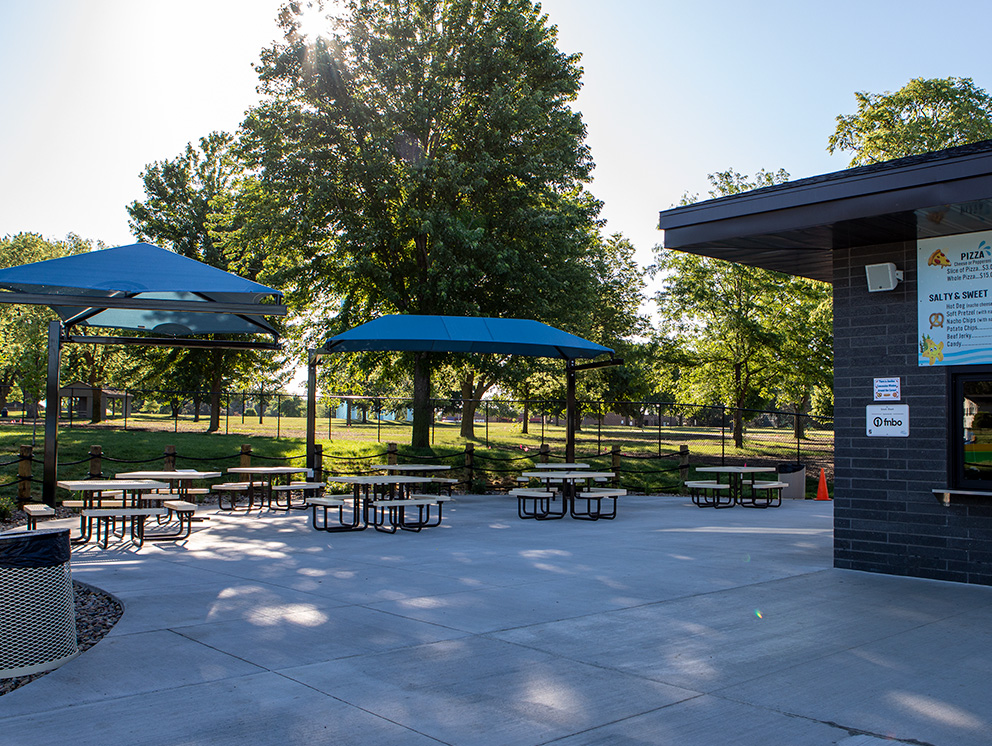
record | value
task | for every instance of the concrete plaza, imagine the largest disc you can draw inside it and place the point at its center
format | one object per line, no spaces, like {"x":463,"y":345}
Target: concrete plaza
{"x":668,"y":625}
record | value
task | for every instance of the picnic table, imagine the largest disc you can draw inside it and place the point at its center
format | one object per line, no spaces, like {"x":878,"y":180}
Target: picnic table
{"x":537,"y":504}
{"x":179,"y":479}
{"x":736,"y":481}
{"x":263,"y":477}
{"x":127,"y":495}
{"x":380,"y":501}
{"x":411,"y":468}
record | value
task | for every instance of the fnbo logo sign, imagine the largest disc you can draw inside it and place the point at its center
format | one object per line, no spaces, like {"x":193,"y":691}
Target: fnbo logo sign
{"x":887,"y":420}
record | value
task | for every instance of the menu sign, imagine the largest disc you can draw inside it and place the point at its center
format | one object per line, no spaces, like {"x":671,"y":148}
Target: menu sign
{"x":954,"y":280}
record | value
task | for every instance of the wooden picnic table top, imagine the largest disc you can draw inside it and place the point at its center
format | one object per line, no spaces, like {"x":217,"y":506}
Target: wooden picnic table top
{"x":102,"y":485}
{"x":171,"y":475}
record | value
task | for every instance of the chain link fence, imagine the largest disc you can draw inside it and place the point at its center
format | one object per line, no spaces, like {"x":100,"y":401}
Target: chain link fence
{"x":715,"y":433}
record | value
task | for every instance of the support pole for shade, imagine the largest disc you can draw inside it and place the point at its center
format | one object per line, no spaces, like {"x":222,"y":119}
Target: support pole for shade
{"x":312,"y":358}
{"x":570,"y":406}
{"x":52,"y":402}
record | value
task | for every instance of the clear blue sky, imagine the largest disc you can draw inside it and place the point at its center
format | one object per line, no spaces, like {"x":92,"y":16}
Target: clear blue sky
{"x":93,"y":90}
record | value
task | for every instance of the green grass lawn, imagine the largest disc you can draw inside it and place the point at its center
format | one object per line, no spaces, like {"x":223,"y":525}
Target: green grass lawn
{"x":763,"y":443}
{"x":498,"y":458}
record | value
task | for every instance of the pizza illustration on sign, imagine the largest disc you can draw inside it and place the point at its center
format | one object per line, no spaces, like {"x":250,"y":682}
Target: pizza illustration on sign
{"x":938,"y":259}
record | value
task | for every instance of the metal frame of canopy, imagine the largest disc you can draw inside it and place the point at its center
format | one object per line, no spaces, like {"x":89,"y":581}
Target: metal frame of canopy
{"x":119,"y":283}
{"x":411,"y":333}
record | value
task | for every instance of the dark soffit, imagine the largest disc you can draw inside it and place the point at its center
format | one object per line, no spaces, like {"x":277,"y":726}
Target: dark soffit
{"x":794,"y":227}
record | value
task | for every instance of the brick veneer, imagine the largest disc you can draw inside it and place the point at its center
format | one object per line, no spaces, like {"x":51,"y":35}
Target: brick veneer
{"x":885,"y":517}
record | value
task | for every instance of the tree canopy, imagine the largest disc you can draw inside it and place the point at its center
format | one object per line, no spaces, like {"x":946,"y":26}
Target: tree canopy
{"x":922,"y":116}
{"x":186,"y":199}
{"x":425,"y":157}
{"x":744,"y":336}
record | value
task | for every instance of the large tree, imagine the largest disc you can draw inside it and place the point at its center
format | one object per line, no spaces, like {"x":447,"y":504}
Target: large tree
{"x":426,"y":159}
{"x":178,"y":195}
{"x":805,"y":348}
{"x":922,"y":116}
{"x":183,"y":196}
{"x":741,"y":327}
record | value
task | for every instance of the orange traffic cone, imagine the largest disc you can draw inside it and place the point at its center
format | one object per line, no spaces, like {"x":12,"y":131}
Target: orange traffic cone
{"x":821,"y":491}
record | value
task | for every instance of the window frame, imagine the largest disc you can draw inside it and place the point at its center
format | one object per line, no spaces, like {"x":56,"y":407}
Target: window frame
{"x":957,"y":377}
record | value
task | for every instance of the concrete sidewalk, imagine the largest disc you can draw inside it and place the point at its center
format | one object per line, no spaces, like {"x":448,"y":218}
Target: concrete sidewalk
{"x":669,"y":625}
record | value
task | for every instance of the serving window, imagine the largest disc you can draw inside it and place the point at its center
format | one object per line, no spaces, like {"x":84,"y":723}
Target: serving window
{"x":971,"y":431}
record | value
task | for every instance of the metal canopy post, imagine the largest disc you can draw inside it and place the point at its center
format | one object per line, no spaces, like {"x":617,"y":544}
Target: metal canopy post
{"x":571,"y":404}
{"x":312,"y":359}
{"x":52,"y":406}
{"x":570,"y":412}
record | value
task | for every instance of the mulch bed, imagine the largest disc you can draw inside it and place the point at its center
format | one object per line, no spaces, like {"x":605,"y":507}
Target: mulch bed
{"x":96,"y":614}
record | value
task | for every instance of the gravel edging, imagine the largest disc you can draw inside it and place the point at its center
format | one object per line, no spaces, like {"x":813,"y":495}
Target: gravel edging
{"x":96,"y":613}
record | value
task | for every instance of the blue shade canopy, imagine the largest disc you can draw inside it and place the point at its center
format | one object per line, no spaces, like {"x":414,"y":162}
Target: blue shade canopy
{"x":157,"y":291}
{"x":464,"y":334}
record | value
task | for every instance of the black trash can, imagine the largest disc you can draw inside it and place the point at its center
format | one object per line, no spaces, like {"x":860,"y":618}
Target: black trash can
{"x":794,"y":475}
{"x":37,"y":603}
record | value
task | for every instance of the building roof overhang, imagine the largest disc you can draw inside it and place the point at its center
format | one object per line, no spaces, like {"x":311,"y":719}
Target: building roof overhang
{"x":794,"y":227}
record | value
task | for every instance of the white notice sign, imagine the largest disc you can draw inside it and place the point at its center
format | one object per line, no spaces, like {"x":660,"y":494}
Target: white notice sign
{"x":954,"y":280}
{"x":888,"y":420}
{"x":888,"y":389}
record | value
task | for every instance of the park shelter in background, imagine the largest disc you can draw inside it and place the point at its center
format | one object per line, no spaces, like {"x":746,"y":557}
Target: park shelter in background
{"x":78,"y":399}
{"x":907,"y":245}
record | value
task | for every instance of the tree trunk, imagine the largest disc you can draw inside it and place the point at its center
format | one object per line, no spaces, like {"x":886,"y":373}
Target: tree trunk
{"x":738,"y":427}
{"x":738,"y":409}
{"x":96,"y":410}
{"x":472,"y":393}
{"x":5,"y":387}
{"x":347,"y":415}
{"x":525,"y":425}
{"x":798,"y":428}
{"x":214,"y":425}
{"x":197,"y":401}
{"x":421,"y":436}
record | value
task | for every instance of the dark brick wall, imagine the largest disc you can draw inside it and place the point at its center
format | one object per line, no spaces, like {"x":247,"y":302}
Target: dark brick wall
{"x":886,"y":518}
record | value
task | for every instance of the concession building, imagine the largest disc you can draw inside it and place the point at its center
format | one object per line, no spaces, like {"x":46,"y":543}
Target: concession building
{"x":907,"y":245}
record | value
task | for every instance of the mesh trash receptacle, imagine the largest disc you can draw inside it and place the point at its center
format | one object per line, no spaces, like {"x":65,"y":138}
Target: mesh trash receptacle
{"x":794,"y":475}
{"x":37,"y":603}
